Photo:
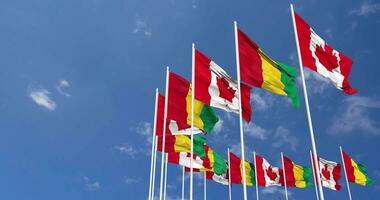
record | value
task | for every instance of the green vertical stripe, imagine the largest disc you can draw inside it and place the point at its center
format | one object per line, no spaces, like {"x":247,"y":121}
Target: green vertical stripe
{"x":220,"y":166}
{"x":363,"y":169}
{"x":288,"y":78}
{"x":307,"y":176}
{"x":252,"y":173}
{"x":209,"y":118}
{"x":198,"y":147}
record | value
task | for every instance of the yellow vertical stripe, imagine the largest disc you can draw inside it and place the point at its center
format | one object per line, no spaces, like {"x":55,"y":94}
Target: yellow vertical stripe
{"x":360,"y":178}
{"x":298,"y":176}
{"x":271,"y":75}
{"x":247,"y":174}
{"x":182,"y":143}
{"x":198,"y":106}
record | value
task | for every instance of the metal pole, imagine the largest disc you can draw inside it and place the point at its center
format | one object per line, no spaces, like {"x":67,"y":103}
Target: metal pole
{"x":192,"y":117}
{"x":307,"y":106}
{"x":315,"y":181}
{"x":166,"y":174}
{"x":345,"y":173}
{"x":283,"y":167}
{"x":163,"y":132}
{"x":229,"y":175}
{"x":153,"y":146}
{"x":183,"y":183}
{"x":154,"y":166}
{"x":240,"y":111}
{"x":204,"y":186}
{"x":257,"y":184}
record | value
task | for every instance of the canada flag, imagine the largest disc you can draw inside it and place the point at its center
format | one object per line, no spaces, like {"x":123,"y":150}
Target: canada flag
{"x":267,"y":175}
{"x":318,"y":56}
{"x":330,"y":173}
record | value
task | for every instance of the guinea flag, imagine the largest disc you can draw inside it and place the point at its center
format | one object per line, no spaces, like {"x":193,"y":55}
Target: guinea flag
{"x":216,"y":88}
{"x":296,"y":175}
{"x":267,"y":175}
{"x":318,"y":56}
{"x":182,"y":143}
{"x":259,"y":70}
{"x":179,"y":106}
{"x":355,"y":172}
{"x":236,"y":171}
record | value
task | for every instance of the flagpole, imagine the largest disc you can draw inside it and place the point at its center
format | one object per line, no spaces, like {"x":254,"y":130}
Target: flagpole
{"x":283,"y":167}
{"x":166,"y":174}
{"x":154,"y":166}
{"x":229,"y":175}
{"x":315,"y":181}
{"x":163,"y":132}
{"x":153,"y":146}
{"x":240,"y":111}
{"x":183,"y":183}
{"x":192,"y":117}
{"x":204,"y":186}
{"x":345,"y":172}
{"x":256,"y":183}
{"x":307,"y":107}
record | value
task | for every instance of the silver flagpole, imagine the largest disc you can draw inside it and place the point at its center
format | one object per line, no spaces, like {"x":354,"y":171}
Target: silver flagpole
{"x":283,"y":167}
{"x":314,"y":175}
{"x":229,"y":175}
{"x":345,"y":173}
{"x":163,"y":132}
{"x":166,"y":174}
{"x":153,"y":146}
{"x":183,"y":183}
{"x":204,"y":186}
{"x":240,"y":111}
{"x":307,"y":106}
{"x":154,"y":166}
{"x":192,"y":117}
{"x":256,"y":184}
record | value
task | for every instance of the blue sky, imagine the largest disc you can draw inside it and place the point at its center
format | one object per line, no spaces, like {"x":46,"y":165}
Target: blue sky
{"x":78,"y":78}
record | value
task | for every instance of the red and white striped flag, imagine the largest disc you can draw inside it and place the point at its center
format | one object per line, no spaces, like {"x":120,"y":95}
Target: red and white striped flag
{"x":320,"y":57}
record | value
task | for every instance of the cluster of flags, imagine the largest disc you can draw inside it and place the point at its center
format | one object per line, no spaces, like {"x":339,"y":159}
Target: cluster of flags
{"x":185,"y":114}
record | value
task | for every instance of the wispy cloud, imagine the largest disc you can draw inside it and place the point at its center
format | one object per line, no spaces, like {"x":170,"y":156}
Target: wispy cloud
{"x":142,"y":28}
{"x":91,"y":185}
{"x":218,"y":126}
{"x":127,"y":149}
{"x":283,"y":137}
{"x":275,"y":191}
{"x":256,"y":131}
{"x":366,"y":8}
{"x":145,"y":129}
{"x":194,"y":4}
{"x":355,"y":114}
{"x":316,"y":84}
{"x":62,"y":85}
{"x":42,"y":98}
{"x":262,"y":100}
{"x":130,"y":180}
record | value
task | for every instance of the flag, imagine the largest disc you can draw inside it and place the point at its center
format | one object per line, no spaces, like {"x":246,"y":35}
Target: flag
{"x":355,"y":172}
{"x":296,"y":175}
{"x":318,"y":56}
{"x":179,"y":106}
{"x":259,"y":70}
{"x":267,"y":175}
{"x":182,"y":143}
{"x":184,"y":159}
{"x":330,"y":173}
{"x":236,"y":171}
{"x":216,"y":88}
{"x":222,"y":179}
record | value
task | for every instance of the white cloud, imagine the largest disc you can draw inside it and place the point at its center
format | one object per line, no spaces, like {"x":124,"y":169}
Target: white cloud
{"x":366,"y":8}
{"x":275,"y":191}
{"x":255,"y":131}
{"x":315,"y":83}
{"x":218,"y":126}
{"x":145,"y":129}
{"x":129,"y":180}
{"x":142,"y":27}
{"x":261,"y":101}
{"x":283,"y":137}
{"x":356,"y":116}
{"x":328,"y":32}
{"x":194,"y":4}
{"x":91,"y":185}
{"x":127,"y":149}
{"x":62,"y":84}
{"x":41,"y":97}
